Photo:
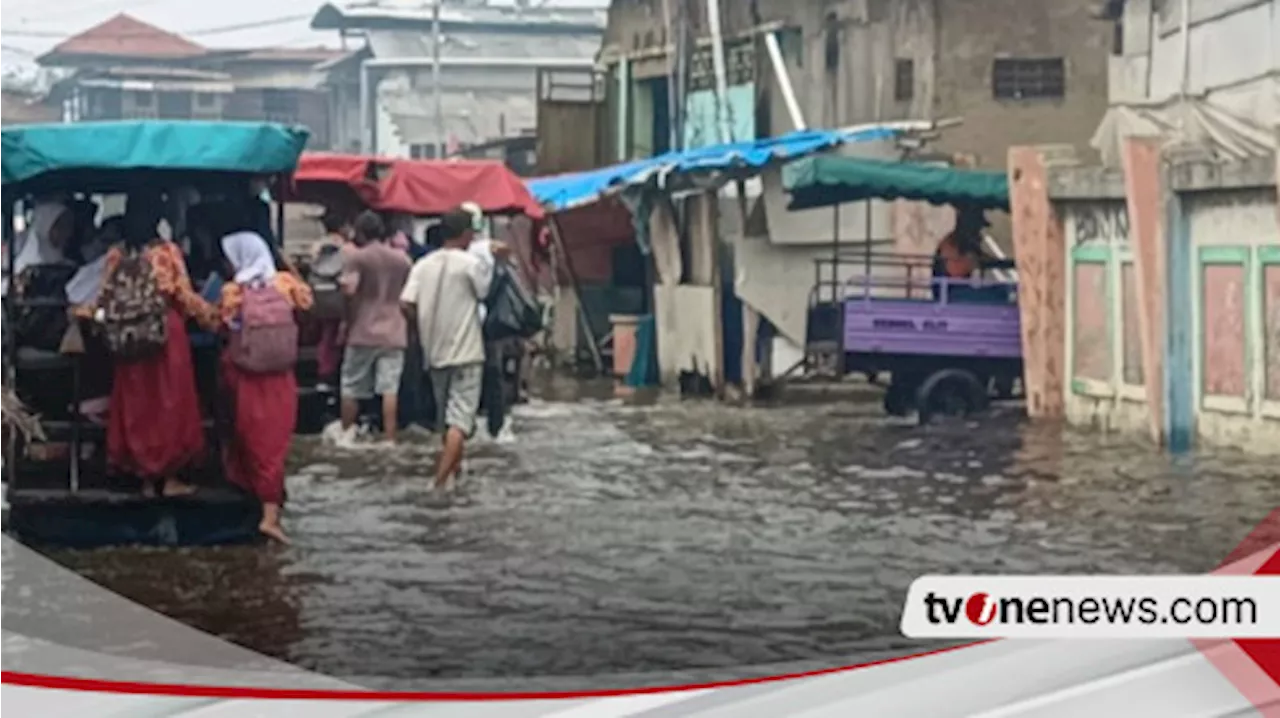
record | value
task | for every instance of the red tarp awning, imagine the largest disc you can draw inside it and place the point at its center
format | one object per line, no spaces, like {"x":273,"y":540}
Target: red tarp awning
{"x":419,"y":187}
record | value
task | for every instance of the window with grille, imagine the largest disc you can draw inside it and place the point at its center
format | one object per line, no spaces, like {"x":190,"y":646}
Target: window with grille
{"x":904,"y":80}
{"x":419,"y":151}
{"x":1043,"y":78}
{"x":280,"y":106}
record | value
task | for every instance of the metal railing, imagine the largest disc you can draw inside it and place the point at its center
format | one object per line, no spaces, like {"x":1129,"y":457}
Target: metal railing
{"x":902,"y":276}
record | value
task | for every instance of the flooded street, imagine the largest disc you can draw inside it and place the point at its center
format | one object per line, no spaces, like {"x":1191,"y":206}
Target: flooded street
{"x":610,"y":537}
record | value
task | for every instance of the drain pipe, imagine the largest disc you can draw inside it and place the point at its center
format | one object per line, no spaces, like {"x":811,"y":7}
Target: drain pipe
{"x":784,"y":81}
{"x":1185,"y":28}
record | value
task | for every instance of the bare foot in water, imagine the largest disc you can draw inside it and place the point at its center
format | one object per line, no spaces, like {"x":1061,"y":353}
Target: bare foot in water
{"x":173,"y":487}
{"x":273,"y":532}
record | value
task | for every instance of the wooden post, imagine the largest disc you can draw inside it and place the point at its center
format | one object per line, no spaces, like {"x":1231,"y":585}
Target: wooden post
{"x":750,"y":317}
{"x":583,"y":315}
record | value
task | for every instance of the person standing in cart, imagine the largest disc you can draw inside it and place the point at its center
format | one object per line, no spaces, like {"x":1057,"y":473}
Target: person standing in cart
{"x":154,"y":428}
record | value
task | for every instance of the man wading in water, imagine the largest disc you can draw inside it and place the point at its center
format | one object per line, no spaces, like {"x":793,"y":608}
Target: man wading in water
{"x":444,"y":293}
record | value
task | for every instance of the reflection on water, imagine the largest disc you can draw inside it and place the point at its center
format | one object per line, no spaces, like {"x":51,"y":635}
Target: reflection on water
{"x":607,"y":537}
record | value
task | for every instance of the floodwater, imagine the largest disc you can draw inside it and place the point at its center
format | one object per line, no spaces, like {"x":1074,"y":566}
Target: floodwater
{"x":680,"y":537}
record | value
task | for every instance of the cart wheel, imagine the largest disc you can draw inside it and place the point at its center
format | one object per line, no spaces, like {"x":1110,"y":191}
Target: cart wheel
{"x":951,"y":392}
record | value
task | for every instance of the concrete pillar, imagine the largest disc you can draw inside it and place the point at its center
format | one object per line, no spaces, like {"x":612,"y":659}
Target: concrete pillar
{"x":702,"y":240}
{"x":1040,"y":250}
{"x":1144,"y":196}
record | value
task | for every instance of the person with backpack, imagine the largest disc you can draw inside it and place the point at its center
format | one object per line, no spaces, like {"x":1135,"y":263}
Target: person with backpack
{"x":444,"y":294}
{"x":154,"y":428}
{"x":329,"y":309}
{"x":257,"y":368}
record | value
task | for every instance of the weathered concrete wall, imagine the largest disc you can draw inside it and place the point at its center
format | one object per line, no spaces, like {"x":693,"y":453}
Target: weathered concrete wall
{"x":841,"y":54}
{"x":688,"y":324}
{"x":971,"y":35}
{"x":1103,"y":334}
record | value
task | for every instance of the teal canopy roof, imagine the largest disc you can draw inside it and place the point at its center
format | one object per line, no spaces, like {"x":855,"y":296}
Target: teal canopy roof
{"x":829,"y":180}
{"x":94,"y":148}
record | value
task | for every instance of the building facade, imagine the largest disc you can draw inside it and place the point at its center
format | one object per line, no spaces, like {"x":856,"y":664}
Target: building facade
{"x":489,"y":58}
{"x":1154,"y":276}
{"x":127,"y":69}
{"x":1215,"y":76}
{"x":1014,"y":72}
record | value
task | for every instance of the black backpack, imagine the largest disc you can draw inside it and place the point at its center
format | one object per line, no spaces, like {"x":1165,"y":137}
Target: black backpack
{"x":509,"y":311}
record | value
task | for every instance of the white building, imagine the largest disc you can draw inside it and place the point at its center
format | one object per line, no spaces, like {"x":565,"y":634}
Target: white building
{"x":1204,"y":71}
{"x":384,"y":97}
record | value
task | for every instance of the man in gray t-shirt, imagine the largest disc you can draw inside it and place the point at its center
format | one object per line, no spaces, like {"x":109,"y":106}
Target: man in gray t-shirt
{"x":444,"y":294}
{"x":372,"y":278}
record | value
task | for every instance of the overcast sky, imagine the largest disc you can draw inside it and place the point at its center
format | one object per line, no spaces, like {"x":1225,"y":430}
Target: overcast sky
{"x":33,"y":26}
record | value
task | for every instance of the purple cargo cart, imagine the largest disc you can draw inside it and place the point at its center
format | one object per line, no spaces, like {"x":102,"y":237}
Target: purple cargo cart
{"x":949,"y":345}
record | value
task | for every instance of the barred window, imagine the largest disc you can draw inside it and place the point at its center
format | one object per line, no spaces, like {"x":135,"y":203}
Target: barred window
{"x":904,"y":80}
{"x":1023,"y":79}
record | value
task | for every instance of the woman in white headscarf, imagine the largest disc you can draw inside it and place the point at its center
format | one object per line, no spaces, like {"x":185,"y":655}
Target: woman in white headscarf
{"x":51,"y":225}
{"x":262,"y":407}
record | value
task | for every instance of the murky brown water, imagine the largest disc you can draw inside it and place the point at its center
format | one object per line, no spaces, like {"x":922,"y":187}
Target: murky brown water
{"x":613,"y":538}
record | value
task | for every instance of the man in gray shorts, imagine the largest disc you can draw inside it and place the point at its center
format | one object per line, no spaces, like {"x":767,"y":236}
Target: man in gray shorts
{"x":372,"y":278}
{"x":443,"y":294}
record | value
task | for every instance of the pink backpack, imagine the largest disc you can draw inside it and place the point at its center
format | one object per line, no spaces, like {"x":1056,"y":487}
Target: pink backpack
{"x":267,"y":341}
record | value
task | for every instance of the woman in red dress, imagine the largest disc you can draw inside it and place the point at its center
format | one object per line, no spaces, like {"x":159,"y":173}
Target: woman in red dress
{"x":263,"y":407}
{"x":154,"y":428}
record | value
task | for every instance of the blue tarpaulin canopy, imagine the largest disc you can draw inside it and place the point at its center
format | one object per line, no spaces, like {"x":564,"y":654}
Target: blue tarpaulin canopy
{"x":677,"y":170}
{"x":191,"y":146}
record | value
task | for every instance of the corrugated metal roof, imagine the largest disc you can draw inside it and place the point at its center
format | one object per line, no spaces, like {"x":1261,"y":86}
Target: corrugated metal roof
{"x":282,"y":54}
{"x":516,"y":19}
{"x":469,"y":116}
{"x":388,"y":44}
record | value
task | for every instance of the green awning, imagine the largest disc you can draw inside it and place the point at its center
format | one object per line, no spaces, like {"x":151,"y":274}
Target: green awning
{"x":94,"y":148}
{"x":829,"y":180}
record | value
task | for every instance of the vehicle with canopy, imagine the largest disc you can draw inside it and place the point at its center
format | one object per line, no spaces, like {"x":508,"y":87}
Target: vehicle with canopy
{"x":423,"y":190}
{"x":59,"y":490}
{"x":948,"y":343}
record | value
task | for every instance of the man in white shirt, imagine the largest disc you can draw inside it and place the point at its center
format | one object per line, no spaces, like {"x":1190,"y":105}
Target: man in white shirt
{"x":444,"y":293}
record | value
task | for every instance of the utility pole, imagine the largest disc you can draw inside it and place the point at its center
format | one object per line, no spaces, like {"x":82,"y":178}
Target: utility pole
{"x":679,"y":73}
{"x":436,"y":90}
{"x":718,"y":63}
